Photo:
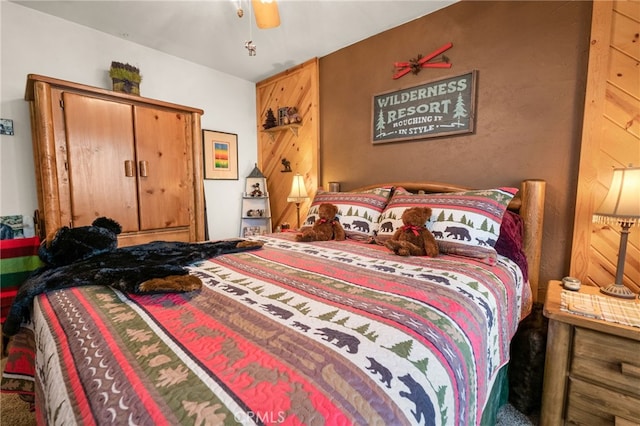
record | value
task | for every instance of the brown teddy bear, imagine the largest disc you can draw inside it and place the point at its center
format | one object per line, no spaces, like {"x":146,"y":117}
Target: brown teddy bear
{"x":326,"y":227}
{"x":292,"y":116}
{"x":414,"y":239}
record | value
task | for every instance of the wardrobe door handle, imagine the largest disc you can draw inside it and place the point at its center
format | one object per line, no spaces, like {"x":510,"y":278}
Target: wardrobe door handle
{"x":128,"y":168}
{"x":142,"y":165}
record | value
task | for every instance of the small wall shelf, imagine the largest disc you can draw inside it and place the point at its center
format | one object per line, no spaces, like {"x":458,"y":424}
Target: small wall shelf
{"x":255,"y":218}
{"x":293,"y":127}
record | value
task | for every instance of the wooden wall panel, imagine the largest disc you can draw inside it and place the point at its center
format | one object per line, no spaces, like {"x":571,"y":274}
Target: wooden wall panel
{"x":611,"y":138}
{"x":622,"y":108}
{"x":297,"y":87}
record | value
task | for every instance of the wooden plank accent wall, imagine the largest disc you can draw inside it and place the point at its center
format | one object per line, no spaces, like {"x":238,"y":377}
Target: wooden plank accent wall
{"x":297,"y":87}
{"x":611,"y":138}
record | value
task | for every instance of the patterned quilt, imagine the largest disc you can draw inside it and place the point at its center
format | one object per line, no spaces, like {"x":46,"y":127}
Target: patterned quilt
{"x":296,"y":333}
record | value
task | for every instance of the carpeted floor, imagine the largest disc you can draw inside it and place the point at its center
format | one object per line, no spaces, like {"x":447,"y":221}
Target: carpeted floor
{"x":13,"y":410}
{"x":509,"y":416}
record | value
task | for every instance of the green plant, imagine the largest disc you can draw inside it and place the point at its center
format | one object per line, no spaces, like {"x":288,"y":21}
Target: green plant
{"x":125,"y":72}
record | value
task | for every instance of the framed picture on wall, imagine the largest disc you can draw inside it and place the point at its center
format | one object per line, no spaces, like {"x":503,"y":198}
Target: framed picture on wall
{"x":6,"y":126}
{"x":220,"y":155}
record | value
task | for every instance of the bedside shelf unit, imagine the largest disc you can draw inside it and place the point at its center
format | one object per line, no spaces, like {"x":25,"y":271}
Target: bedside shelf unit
{"x":592,"y":368}
{"x":256,"y":216}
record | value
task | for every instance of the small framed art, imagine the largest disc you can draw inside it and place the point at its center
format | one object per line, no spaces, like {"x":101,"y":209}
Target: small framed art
{"x":6,"y":126}
{"x":220,"y":155}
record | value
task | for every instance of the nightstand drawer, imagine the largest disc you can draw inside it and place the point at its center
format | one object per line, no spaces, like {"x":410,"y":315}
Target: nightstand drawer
{"x":609,"y":360}
{"x":590,"y":404}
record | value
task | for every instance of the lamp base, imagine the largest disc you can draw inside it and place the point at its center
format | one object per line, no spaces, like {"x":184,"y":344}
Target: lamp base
{"x":618,"y":290}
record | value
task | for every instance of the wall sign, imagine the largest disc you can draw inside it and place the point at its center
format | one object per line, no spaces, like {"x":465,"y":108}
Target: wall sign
{"x":437,"y":108}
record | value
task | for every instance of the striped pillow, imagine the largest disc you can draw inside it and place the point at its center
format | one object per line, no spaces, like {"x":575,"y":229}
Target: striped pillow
{"x":463,"y":223}
{"x":358,"y":212}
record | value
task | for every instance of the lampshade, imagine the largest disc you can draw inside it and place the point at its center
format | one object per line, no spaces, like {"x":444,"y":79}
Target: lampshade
{"x":622,"y":206}
{"x":266,"y":13}
{"x":298,"y":192}
{"x":622,"y":203}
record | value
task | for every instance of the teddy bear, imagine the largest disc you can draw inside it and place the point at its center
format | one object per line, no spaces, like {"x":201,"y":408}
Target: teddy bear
{"x":88,"y":255}
{"x":413,"y":238}
{"x":292,"y":116}
{"x":326,"y":227}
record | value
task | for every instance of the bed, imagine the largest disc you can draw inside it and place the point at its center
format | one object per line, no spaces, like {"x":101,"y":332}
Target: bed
{"x":336,"y":332}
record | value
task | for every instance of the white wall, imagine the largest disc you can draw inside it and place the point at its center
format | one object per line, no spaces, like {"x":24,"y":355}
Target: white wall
{"x":36,"y":43}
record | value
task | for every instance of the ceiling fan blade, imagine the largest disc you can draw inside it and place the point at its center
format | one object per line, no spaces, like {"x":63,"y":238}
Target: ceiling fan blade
{"x":266,"y":13}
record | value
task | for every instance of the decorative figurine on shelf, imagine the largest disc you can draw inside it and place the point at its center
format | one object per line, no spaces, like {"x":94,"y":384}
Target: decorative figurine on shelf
{"x":270,"y":121}
{"x":292,"y":116}
{"x":287,"y":166}
{"x":257,"y":192}
{"x":256,"y":185}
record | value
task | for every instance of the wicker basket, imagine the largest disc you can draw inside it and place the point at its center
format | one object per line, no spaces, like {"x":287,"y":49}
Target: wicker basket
{"x":126,"y":86}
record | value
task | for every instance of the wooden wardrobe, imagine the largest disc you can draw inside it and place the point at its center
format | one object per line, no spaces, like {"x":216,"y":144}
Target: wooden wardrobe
{"x":104,"y":153}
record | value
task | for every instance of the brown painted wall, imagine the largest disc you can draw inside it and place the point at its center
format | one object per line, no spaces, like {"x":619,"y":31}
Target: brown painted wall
{"x":532,"y":61}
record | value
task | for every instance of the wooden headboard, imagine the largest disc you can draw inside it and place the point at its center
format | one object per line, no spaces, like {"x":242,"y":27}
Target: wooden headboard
{"x":528,"y":203}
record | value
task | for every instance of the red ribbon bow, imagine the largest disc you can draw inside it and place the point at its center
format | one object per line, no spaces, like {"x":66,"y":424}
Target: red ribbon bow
{"x":413,"y":228}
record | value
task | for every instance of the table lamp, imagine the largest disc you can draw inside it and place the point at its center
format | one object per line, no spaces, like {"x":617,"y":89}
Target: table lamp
{"x":622,"y":206}
{"x":298,"y":193}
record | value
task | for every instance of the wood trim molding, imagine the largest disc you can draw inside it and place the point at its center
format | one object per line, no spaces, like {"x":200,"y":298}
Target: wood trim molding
{"x":591,"y":136}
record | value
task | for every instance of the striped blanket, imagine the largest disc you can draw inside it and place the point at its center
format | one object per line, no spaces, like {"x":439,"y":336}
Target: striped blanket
{"x":18,"y":258}
{"x":295,"y":333}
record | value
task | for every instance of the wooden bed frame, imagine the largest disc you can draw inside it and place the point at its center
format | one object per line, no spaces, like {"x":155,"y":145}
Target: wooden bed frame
{"x":528,"y":203}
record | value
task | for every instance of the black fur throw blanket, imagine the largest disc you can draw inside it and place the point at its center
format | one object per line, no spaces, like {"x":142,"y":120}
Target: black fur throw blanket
{"x":147,"y":268}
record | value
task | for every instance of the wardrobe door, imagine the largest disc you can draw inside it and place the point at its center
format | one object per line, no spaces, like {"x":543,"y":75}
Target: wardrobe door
{"x":101,"y":156}
{"x":165,"y":178}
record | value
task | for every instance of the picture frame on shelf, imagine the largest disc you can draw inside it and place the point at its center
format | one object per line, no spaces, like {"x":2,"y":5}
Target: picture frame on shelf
{"x":220,"y":155}
{"x":282,"y":113}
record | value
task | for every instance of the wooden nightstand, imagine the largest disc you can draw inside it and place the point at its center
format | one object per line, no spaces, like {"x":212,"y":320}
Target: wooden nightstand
{"x":592,"y":368}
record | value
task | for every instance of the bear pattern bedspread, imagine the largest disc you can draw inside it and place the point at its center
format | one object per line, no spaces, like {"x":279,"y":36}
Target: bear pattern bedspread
{"x":295,"y":333}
